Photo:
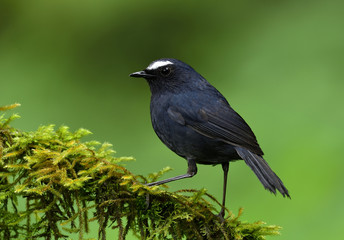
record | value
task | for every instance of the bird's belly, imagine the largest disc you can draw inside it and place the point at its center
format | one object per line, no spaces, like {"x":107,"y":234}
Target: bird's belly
{"x":188,"y":143}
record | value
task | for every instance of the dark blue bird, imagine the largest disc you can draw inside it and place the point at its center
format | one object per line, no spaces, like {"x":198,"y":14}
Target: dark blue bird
{"x":194,"y":120}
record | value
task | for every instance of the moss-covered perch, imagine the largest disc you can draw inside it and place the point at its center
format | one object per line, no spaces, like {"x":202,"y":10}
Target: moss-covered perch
{"x":53,"y":184}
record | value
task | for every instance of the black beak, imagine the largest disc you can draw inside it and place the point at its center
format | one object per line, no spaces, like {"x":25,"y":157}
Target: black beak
{"x":141,"y":74}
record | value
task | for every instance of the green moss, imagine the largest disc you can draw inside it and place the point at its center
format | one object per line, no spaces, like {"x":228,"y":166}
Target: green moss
{"x":64,"y":180}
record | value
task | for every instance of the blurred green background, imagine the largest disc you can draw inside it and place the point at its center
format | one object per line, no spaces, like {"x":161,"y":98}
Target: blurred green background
{"x":279,"y":63}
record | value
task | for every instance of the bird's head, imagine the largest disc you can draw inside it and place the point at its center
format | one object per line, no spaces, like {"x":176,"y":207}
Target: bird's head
{"x":169,"y":74}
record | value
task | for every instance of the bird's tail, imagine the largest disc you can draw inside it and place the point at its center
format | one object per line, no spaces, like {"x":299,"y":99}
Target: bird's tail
{"x":263,"y":171}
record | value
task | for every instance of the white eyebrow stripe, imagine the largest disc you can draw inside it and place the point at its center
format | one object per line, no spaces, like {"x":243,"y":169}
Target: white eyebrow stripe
{"x":157,"y":64}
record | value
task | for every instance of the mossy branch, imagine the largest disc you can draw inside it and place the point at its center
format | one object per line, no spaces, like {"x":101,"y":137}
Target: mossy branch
{"x":63,"y":180}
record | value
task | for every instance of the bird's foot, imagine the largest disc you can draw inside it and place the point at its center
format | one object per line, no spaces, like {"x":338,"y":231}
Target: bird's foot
{"x":221,"y":215}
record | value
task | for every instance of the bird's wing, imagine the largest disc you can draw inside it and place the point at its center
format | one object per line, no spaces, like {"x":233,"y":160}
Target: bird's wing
{"x":220,"y":122}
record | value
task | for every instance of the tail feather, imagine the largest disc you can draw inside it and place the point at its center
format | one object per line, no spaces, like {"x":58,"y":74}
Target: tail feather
{"x":263,"y":171}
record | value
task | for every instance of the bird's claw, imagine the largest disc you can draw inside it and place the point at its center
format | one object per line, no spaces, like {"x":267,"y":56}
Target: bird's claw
{"x":221,"y":216}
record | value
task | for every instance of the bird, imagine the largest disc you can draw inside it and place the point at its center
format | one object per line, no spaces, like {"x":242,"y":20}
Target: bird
{"x":194,"y":120}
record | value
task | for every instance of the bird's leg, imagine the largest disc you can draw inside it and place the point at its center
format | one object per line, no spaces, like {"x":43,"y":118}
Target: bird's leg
{"x":192,"y":170}
{"x":225,"y":167}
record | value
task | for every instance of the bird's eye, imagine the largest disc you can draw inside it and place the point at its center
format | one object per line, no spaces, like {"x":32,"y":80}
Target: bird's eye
{"x":165,"y":71}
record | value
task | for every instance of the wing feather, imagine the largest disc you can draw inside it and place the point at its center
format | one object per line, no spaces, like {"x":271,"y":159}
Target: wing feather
{"x":222,"y":122}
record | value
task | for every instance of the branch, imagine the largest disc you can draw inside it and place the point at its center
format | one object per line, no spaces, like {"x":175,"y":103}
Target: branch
{"x":62,"y":179}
